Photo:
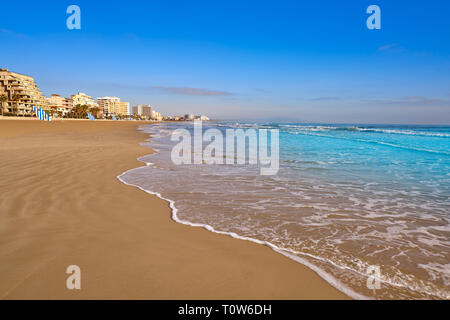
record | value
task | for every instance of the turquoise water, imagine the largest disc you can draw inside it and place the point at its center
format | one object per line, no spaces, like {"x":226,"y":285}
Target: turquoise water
{"x":346,"y":197}
{"x":409,"y":160}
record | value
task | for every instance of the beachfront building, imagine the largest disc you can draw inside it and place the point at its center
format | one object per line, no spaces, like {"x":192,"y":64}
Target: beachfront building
{"x":157,"y":116}
{"x":203,"y":118}
{"x":21,"y":93}
{"x":110,"y":105}
{"x":113,"y":106}
{"x":143,"y":110}
{"x":83,"y":99}
{"x":189,"y":117}
{"x":60,"y":105}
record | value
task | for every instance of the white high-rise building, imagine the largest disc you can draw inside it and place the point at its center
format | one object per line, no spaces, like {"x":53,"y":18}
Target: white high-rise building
{"x":113,"y":106}
{"x":143,"y":110}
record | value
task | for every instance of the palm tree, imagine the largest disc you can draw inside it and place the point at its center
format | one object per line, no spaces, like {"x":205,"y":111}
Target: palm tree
{"x":15,"y":98}
{"x":84,"y":110}
{"x":80,"y":111}
{"x":3,"y":99}
{"x":95,"y":111}
{"x":76,"y":111}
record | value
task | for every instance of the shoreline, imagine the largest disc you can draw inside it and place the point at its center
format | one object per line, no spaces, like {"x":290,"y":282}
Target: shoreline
{"x":124,"y":251}
{"x":284,"y":252}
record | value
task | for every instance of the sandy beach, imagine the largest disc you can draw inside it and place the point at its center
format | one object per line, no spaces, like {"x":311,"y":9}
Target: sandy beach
{"x":61,"y":204}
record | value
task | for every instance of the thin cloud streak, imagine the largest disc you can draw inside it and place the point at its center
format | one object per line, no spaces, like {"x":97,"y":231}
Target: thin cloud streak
{"x":193,"y":91}
{"x":12,"y":33}
{"x":390,"y":47}
{"x":324,"y":99}
{"x":412,"y":101}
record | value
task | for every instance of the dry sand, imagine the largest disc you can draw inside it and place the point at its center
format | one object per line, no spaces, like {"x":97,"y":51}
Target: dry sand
{"x":61,"y":204}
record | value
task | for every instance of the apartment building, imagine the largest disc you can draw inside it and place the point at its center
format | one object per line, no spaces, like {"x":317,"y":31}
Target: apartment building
{"x":113,"y":106}
{"x":60,"y":104}
{"x":143,"y":110}
{"x":124,"y":108}
{"x":22,"y":93}
{"x":156,"y":116}
{"x":83,"y":99}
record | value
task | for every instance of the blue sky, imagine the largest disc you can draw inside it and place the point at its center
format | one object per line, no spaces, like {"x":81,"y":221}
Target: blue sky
{"x":279,"y":60}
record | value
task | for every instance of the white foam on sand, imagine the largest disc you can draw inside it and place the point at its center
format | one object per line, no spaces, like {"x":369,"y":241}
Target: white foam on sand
{"x":286,"y":252}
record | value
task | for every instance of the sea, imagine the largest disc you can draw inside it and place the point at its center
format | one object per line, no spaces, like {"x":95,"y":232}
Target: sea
{"x":367,"y":207}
